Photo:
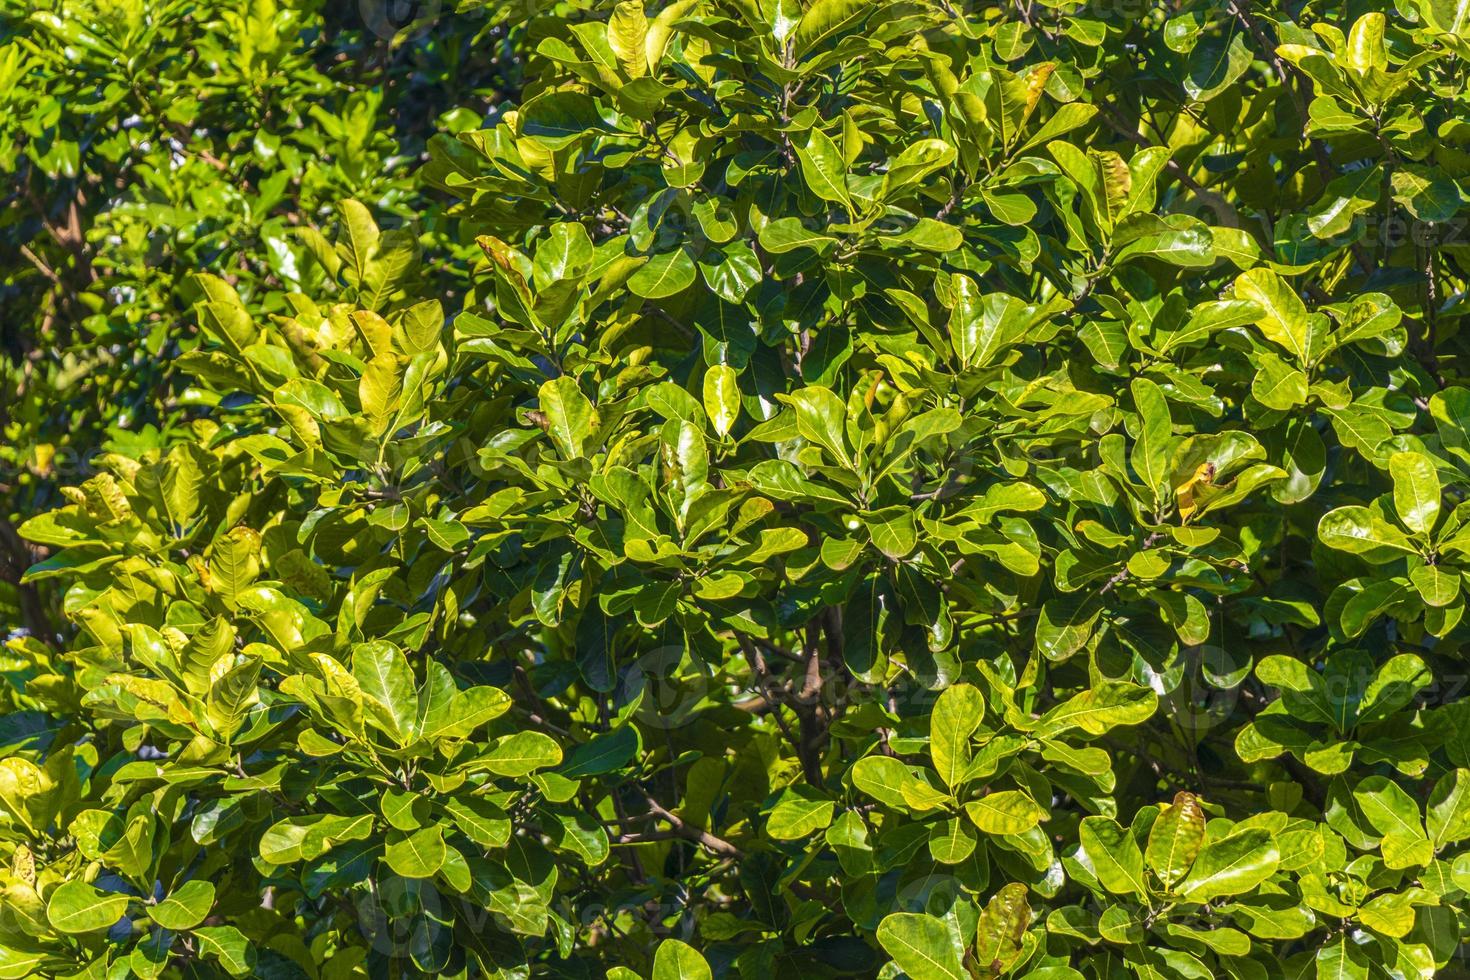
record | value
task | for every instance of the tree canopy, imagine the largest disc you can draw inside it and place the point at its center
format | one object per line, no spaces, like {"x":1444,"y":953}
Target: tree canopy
{"x":734,"y":489}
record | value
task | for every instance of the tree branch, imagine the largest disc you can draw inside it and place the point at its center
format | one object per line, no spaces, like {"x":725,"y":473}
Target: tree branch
{"x":715,"y":844}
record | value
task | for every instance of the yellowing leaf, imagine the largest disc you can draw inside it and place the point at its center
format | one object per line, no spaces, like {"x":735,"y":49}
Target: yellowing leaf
{"x":627,"y":32}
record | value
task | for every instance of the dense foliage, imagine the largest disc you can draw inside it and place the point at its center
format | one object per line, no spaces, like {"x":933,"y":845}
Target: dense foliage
{"x":141,"y":142}
{"x":905,"y":490}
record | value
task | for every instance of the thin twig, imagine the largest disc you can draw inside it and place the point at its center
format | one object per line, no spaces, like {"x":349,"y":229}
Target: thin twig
{"x":40,"y":264}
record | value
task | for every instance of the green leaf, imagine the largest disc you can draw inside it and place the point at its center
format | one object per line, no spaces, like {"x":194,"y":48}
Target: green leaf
{"x":229,"y":946}
{"x":362,"y":236}
{"x":1447,"y":815}
{"x":1449,"y":16}
{"x":1437,"y":586}
{"x":1005,"y":812}
{"x":234,"y":562}
{"x":893,"y":531}
{"x":416,"y":855}
{"x":982,"y":327}
{"x":1393,"y":686}
{"x":952,"y":842}
{"x":564,"y":254}
{"x":663,"y":275}
{"x":823,"y":21}
{"x":1278,"y":385}
{"x":1343,"y":200}
{"x":1114,"y":856}
{"x":1003,"y":922}
{"x":800,"y":813}
{"x":819,"y":419}
{"x":462,"y":713}
{"x":1363,"y":531}
{"x":675,"y":960}
{"x":957,"y":714}
{"x":307,"y":837}
{"x":607,"y":752}
{"x":883,"y":778}
{"x":556,"y":119}
{"x":1066,"y":624}
{"x":1284,"y":315}
{"x":1233,"y":865}
{"x":520,"y":754}
{"x":480,"y":820}
{"x":1391,"y":811}
{"x":1099,"y":709}
{"x":822,"y":166}
{"x":1365,"y":48}
{"x":185,"y":907}
{"x":627,"y":30}
{"x":75,"y":907}
{"x":1189,"y":246}
{"x":570,"y":417}
{"x":788,"y":234}
{"x":386,"y":682}
{"x":917,"y":161}
{"x":721,"y":398}
{"x":1215,"y":65}
{"x":1343,"y":959}
{"x":1174,"y":840}
{"x":1416,"y":491}
{"x":656,"y":41}
{"x":924,"y":947}
{"x":1153,"y":443}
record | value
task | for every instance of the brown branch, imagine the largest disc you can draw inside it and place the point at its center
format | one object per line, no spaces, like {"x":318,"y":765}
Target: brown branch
{"x":766,"y":688}
{"x":715,"y":844}
{"x":954,"y":199}
{"x":1428,"y":342}
{"x":40,"y":264}
{"x":648,"y":837}
{"x":811,"y":685}
{"x":809,"y":711}
{"x":779,"y":651}
{"x":807,"y":744}
{"x":1122,"y":576}
{"x":75,"y":239}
